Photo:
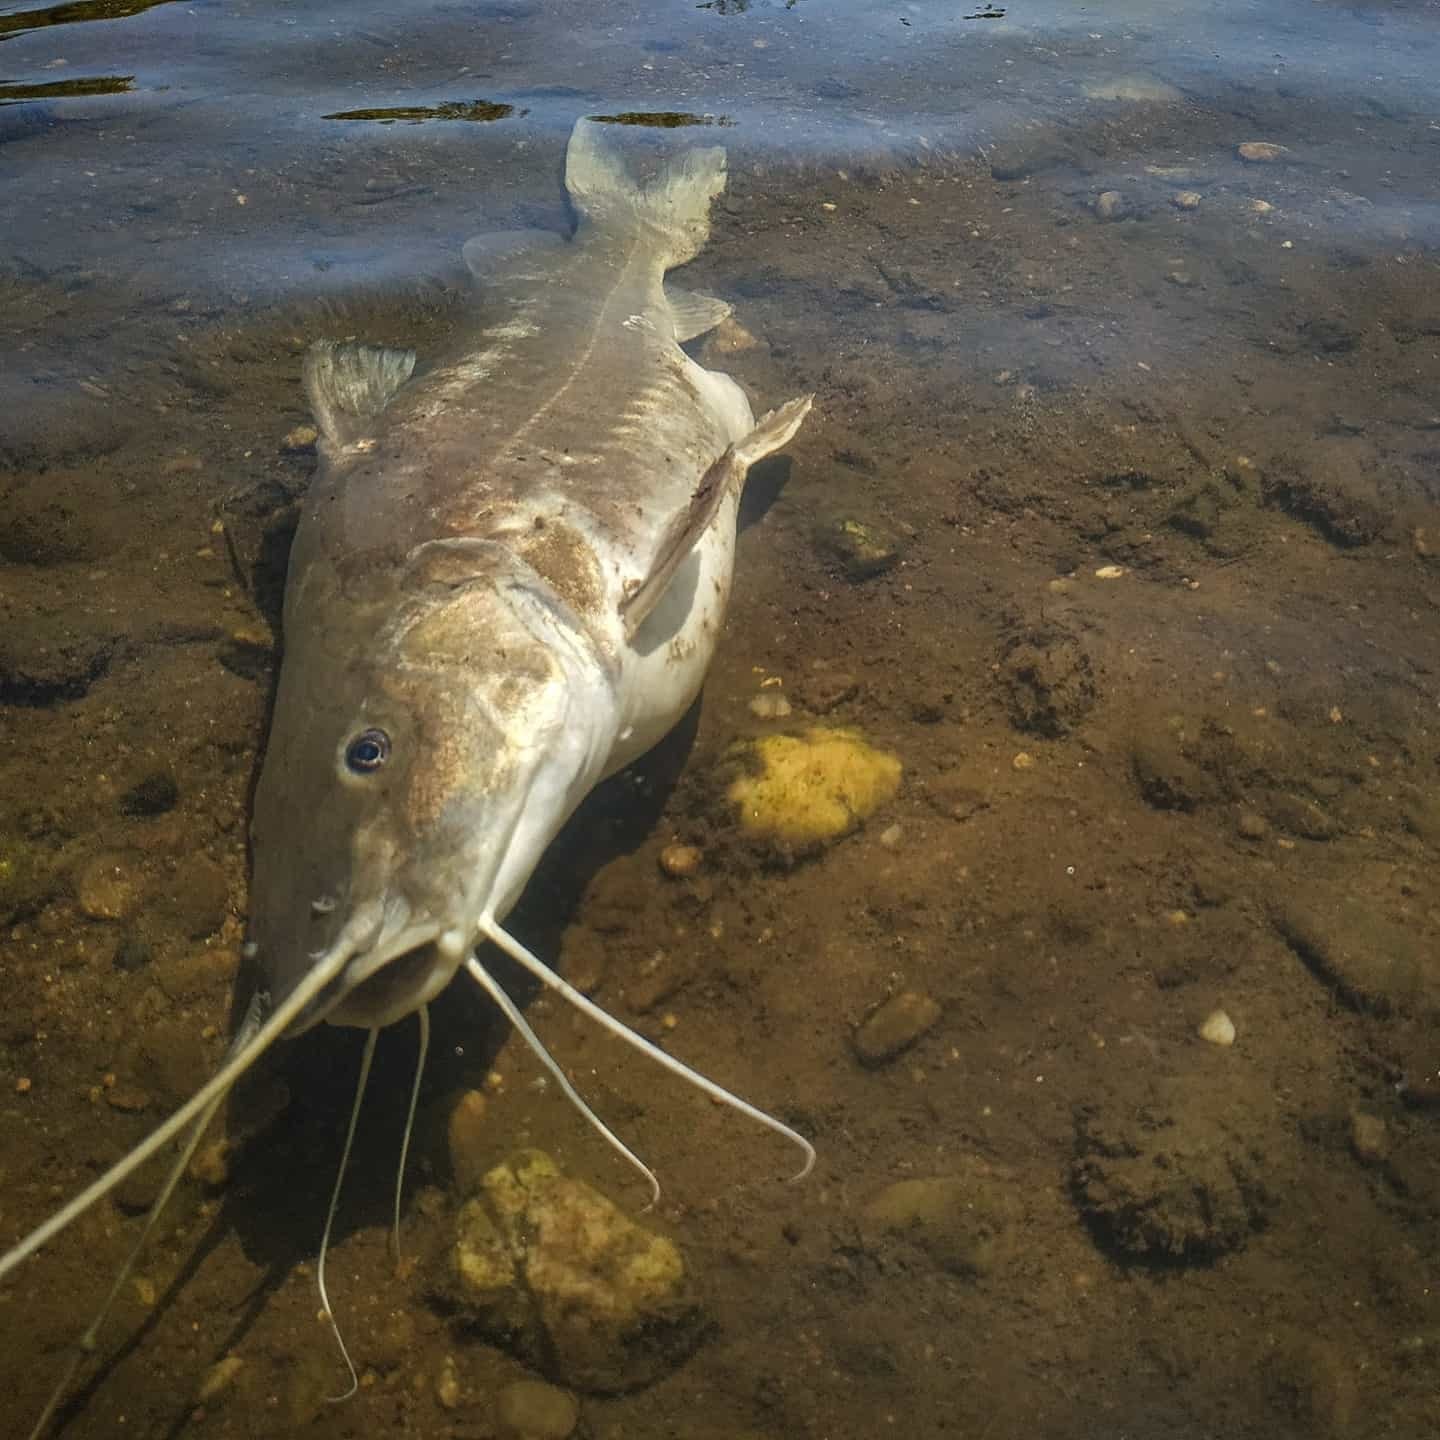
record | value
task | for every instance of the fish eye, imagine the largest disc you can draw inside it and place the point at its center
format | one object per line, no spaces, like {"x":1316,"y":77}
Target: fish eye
{"x":368,"y":751}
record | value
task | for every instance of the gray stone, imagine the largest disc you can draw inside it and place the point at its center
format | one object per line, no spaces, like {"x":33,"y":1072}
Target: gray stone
{"x":1111,"y":205}
{"x":1261,"y":152}
{"x":894,"y":1026}
{"x":964,"y":1223}
{"x":1369,"y":1138}
{"x":533,"y":1410}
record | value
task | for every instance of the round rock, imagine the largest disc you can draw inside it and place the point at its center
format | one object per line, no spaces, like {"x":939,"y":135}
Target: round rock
{"x":894,"y":1026}
{"x":965,"y":1223}
{"x":681,"y":861}
{"x":1369,"y":1138}
{"x":1111,"y":205}
{"x":1261,"y":152}
{"x":532,"y":1410}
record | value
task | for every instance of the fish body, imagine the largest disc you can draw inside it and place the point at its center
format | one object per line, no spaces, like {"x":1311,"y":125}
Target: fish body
{"x":462,"y":581}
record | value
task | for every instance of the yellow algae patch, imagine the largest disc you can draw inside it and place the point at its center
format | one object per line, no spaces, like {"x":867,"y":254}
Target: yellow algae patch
{"x":809,"y":788}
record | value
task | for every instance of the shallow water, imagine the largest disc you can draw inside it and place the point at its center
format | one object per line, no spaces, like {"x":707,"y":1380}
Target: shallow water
{"x":1157,"y":480}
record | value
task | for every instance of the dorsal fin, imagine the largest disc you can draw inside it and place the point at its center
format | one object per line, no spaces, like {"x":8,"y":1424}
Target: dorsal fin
{"x":349,"y":384}
{"x":726,"y":474}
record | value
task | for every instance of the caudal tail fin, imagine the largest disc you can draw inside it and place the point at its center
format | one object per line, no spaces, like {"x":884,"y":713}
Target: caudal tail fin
{"x":674,"y":206}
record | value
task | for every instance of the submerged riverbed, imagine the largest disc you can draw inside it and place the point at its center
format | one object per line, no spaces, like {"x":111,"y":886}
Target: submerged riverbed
{"x":1115,"y":522}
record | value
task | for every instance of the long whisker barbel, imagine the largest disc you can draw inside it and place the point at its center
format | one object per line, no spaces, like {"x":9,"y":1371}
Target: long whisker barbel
{"x":493,"y":931}
{"x":511,"y":1012}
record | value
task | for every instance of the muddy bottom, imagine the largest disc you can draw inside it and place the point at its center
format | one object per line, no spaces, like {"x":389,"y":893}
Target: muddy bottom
{"x":1116,"y":523}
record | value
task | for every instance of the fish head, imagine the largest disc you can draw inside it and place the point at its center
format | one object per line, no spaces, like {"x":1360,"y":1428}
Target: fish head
{"x":425,"y":747}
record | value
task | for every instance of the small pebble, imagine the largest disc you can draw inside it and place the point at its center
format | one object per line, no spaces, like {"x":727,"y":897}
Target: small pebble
{"x":1186,"y":199}
{"x":302,"y":437}
{"x":1218,"y":1028}
{"x":447,"y":1384}
{"x":24,"y":1085}
{"x":1109,"y":572}
{"x":895,"y":1026}
{"x":211,"y":1165}
{"x":890,"y":836}
{"x":1023,"y":761}
{"x":219,"y":1378}
{"x":1111,"y":205}
{"x":1261,"y":152}
{"x":1261,"y":207}
{"x":731,"y":338}
{"x":681,"y":861}
{"x":770,"y":705}
{"x":1368,"y":1138}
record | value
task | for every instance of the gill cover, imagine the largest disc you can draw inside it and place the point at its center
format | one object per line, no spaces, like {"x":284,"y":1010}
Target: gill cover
{"x":427,"y":741}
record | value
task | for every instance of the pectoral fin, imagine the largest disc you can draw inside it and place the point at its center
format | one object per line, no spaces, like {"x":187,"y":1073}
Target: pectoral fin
{"x":724,"y":477}
{"x":694,"y":314}
{"x":350,"y":384}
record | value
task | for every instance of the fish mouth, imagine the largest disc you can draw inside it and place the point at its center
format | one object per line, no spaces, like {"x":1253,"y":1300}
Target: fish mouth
{"x":394,"y":988}
{"x":394,"y":969}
